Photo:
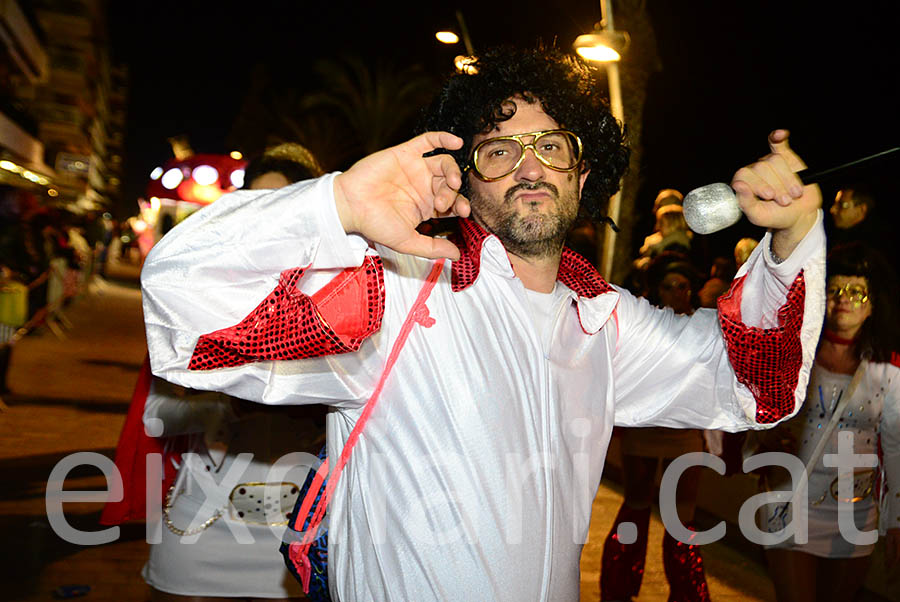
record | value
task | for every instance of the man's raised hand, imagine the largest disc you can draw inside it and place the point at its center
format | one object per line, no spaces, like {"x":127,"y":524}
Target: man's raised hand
{"x":384,"y":196}
{"x":772,"y":196}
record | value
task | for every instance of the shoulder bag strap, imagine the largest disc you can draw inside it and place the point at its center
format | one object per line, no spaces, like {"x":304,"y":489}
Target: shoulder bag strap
{"x":417,"y":314}
{"x":835,"y":418}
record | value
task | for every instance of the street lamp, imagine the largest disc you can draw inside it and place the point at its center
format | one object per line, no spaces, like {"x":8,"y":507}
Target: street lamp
{"x":465,"y":64}
{"x":450,"y":37}
{"x":606,"y":45}
{"x":601,"y":46}
{"x":447,"y":37}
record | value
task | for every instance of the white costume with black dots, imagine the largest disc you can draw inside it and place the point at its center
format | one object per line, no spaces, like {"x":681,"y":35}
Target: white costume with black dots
{"x":873,"y":412}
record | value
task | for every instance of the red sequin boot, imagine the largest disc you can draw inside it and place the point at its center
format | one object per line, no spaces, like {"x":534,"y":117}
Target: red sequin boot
{"x":623,"y":564}
{"x":684,"y":571}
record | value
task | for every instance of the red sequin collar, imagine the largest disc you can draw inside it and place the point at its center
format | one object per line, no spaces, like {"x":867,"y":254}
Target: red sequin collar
{"x":574,"y":270}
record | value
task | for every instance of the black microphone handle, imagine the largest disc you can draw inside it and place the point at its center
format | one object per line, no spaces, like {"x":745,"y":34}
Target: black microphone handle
{"x":809,"y":176}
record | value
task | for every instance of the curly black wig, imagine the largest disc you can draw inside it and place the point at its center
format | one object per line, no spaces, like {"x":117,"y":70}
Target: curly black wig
{"x":568,"y":92}
{"x":879,"y":336}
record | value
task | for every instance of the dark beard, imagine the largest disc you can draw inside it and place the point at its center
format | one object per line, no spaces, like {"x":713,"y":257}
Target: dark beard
{"x":534,"y":235}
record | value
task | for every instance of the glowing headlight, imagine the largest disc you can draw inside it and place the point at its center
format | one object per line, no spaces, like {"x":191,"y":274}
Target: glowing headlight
{"x":172,"y":178}
{"x":205,"y":175}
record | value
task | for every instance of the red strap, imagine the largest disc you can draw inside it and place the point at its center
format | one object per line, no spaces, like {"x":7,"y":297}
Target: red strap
{"x":615,"y":316}
{"x":417,"y":314}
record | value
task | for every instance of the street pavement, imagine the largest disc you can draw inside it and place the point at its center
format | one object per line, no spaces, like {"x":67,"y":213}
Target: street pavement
{"x":67,"y":395}
{"x":70,"y":395}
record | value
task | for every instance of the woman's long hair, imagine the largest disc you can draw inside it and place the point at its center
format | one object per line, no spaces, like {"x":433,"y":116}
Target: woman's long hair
{"x":879,"y":336}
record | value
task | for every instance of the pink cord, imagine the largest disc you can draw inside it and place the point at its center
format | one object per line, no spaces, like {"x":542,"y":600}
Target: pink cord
{"x":417,"y":314}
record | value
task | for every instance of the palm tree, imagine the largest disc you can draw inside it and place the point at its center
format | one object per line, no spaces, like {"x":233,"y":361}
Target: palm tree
{"x":353,"y":110}
{"x":377,"y":105}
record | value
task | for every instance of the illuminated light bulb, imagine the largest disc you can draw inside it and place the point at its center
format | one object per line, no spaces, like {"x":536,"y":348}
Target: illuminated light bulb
{"x":465,"y":64}
{"x":237,"y":178}
{"x":172,"y":178}
{"x":205,"y":175}
{"x":447,"y":37}
{"x":156,"y":173}
{"x":602,"y":45}
{"x":236,"y":155}
{"x":601,"y":54}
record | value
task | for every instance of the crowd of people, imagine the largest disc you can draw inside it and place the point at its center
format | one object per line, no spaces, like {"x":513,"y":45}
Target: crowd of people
{"x":31,"y":237}
{"x":860,"y":334}
{"x":47,"y":256}
{"x":472,"y":382}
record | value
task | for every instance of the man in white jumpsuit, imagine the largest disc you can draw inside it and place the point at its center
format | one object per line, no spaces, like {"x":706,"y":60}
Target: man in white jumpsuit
{"x":473,"y":479}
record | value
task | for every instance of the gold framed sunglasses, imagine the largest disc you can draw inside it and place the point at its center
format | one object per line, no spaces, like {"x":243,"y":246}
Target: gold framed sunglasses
{"x":856,"y":294}
{"x":496,"y":158}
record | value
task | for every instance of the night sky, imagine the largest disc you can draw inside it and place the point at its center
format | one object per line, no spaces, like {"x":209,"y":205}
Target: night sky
{"x":732,"y":71}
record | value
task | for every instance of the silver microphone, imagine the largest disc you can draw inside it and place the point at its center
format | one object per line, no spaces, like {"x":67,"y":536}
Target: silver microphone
{"x":711,"y":208}
{"x":715,"y":207}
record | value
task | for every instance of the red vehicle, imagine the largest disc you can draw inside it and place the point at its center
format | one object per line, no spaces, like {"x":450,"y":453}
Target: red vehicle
{"x":182,"y":186}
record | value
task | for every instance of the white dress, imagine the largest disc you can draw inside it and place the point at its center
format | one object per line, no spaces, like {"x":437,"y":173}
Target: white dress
{"x":872,"y":413}
{"x":236,"y":555}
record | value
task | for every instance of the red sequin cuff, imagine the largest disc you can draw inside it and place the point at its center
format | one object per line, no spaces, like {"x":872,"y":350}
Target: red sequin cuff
{"x":290,"y":325}
{"x":766,"y":360}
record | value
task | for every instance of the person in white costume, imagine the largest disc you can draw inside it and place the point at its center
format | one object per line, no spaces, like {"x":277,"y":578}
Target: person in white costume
{"x":199,"y":557}
{"x":854,"y":388}
{"x":474,"y":476}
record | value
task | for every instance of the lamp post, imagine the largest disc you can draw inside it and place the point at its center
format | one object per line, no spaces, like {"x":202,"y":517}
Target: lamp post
{"x":606,"y":45}
{"x":463,"y":63}
{"x":470,"y":50}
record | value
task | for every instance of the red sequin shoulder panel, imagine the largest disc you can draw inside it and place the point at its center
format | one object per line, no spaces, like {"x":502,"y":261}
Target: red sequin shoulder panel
{"x":766,"y":360}
{"x":290,"y":325}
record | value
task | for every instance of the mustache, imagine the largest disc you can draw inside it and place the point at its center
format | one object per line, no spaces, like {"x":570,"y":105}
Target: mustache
{"x":508,"y":196}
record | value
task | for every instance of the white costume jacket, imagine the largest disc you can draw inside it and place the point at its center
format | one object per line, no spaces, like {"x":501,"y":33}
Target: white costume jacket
{"x":475,"y":475}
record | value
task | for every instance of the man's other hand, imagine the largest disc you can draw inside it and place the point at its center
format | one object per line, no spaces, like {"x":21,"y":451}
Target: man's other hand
{"x":384,"y":196}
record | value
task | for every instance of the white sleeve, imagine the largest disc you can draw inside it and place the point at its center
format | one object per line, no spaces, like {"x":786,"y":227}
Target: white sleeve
{"x":718,"y":372}
{"x":211,"y":271}
{"x":889,"y":429}
{"x":767,"y":283}
{"x":183,"y":412}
